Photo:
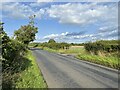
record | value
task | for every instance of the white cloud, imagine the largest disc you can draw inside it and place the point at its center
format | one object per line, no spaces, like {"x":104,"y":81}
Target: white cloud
{"x":107,"y":29}
{"x":17,"y":1}
{"x":83,"y":36}
{"x":37,"y":4}
{"x":70,"y":13}
{"x":18,"y":10}
{"x":56,"y":36}
{"x":9,"y":0}
{"x":107,"y":32}
{"x":86,"y":0}
{"x":45,"y":0}
{"x":68,"y":37}
{"x":82,"y":14}
{"x":52,"y":36}
{"x":59,"y":0}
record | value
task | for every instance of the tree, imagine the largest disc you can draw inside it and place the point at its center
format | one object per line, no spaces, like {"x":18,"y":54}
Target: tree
{"x":64,"y":45}
{"x":4,"y":39}
{"x":26,"y":33}
{"x":51,"y":41}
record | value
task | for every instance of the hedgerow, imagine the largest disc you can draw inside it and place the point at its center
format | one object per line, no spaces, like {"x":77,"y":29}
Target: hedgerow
{"x":95,"y":47}
{"x":54,"y":45}
{"x":13,"y":52}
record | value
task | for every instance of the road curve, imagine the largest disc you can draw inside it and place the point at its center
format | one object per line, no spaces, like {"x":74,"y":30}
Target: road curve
{"x":67,"y":72}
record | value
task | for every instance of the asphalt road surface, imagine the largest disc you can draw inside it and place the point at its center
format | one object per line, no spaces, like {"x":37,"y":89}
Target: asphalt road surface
{"x":67,"y":72}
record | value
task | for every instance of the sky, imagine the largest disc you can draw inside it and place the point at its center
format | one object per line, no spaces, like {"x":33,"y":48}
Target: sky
{"x":72,"y":22}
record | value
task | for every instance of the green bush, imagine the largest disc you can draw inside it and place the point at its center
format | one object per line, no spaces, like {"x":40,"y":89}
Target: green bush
{"x":101,"y":46}
{"x":12,"y":58}
{"x":11,"y":51}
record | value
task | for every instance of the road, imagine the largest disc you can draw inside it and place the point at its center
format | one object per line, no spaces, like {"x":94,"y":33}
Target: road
{"x":67,"y":72}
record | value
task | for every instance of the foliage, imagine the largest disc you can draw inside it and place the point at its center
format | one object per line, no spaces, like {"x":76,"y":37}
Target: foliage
{"x":11,"y":49}
{"x":77,"y":44}
{"x":26,"y":33}
{"x":51,"y":41}
{"x":102,"y":46}
{"x":13,"y":52}
{"x":54,"y":45}
{"x":3,"y":36}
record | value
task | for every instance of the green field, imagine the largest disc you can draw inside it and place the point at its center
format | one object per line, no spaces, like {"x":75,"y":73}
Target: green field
{"x":31,"y":77}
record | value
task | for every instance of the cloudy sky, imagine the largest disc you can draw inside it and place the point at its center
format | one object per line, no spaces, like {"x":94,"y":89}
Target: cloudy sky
{"x":76,"y":22}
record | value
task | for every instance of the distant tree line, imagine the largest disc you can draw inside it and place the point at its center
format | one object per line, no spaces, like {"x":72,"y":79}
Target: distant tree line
{"x":51,"y":44}
{"x":96,"y":47}
{"x":54,"y":45}
{"x":77,"y":44}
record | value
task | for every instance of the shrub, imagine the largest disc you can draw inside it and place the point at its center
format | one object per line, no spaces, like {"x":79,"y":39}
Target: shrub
{"x":101,"y":46}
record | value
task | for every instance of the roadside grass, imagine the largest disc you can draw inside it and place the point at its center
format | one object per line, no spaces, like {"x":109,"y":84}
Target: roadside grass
{"x":31,"y":77}
{"x":65,"y":51}
{"x":109,"y":60}
{"x":50,"y":50}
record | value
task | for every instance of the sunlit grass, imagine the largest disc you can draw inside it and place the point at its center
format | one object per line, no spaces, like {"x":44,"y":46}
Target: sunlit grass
{"x":106,"y":61}
{"x":80,"y":53}
{"x":72,"y":50}
{"x":31,"y":77}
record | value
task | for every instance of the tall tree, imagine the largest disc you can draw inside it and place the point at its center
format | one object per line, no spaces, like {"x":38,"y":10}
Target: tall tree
{"x":26,"y":33}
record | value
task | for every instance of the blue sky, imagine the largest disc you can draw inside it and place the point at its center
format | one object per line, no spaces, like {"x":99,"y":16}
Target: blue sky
{"x":64,"y":21}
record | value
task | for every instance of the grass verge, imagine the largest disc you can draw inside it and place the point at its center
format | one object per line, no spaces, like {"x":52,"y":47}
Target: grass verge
{"x":31,"y":77}
{"x":110,"y":61}
{"x":80,"y":53}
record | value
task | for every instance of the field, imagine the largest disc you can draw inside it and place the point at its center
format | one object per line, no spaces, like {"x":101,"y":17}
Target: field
{"x":73,"y":50}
